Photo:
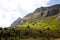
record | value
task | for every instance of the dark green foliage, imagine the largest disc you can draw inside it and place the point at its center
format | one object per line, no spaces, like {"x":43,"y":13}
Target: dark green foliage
{"x":5,"y":29}
{"x":26,"y":33}
{"x":1,"y":28}
{"x":40,"y":31}
{"x":48,"y":29}
{"x":42,"y":14}
{"x":28,"y":26}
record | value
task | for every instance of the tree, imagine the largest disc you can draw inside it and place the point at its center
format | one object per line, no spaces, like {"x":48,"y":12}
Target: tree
{"x":48,"y":29}
{"x":28,"y":26}
{"x":5,"y":28}
{"x":1,"y":28}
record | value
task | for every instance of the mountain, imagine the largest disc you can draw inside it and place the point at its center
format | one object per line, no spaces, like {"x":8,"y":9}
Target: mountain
{"x":18,"y":22}
{"x":46,"y":14}
{"x":42,"y":24}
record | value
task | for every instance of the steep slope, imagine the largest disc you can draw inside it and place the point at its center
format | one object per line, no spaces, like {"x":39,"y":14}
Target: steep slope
{"x":43,"y":23}
{"x":18,"y":22}
{"x":45,"y":12}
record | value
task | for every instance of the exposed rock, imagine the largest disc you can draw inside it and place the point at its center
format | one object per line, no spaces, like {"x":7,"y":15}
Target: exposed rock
{"x":18,"y":22}
{"x":57,"y":18}
{"x":39,"y":14}
{"x":44,"y":12}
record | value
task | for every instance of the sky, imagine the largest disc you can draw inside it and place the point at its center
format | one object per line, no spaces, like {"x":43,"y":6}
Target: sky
{"x":10,"y":10}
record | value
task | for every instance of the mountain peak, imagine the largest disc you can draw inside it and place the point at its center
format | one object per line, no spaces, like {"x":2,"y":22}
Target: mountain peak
{"x":18,"y":21}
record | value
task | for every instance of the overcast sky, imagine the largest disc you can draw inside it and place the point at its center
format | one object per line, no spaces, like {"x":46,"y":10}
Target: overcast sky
{"x":10,"y":10}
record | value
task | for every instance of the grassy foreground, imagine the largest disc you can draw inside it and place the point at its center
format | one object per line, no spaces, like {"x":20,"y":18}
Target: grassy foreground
{"x":32,"y":31}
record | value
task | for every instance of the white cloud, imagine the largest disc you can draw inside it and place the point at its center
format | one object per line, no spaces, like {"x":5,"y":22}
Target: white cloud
{"x":30,"y":5}
{"x":10,"y":10}
{"x":7,"y":17}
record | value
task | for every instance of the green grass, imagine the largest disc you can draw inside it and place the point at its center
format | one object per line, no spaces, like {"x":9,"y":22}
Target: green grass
{"x":53,"y":25}
{"x":32,"y":30}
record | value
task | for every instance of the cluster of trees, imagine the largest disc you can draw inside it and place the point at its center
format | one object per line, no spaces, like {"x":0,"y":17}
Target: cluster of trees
{"x":31,"y":30}
{"x":17,"y":34}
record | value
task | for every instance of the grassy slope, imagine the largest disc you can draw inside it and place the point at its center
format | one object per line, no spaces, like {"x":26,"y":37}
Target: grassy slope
{"x":43,"y":23}
{"x":31,"y":30}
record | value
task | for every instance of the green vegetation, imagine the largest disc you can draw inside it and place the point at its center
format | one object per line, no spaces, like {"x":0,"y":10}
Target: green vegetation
{"x":32,"y":30}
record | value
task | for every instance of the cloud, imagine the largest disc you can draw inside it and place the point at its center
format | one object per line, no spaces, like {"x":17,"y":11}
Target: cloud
{"x":10,"y":10}
{"x":7,"y":17}
{"x":30,"y":5}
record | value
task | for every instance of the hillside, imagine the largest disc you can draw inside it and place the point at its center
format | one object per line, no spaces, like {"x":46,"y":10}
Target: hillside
{"x":18,"y":22}
{"x":44,"y":17}
{"x":45,"y":12}
{"x":42,"y":24}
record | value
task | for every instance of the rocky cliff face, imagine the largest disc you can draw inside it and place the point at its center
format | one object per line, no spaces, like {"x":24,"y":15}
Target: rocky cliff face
{"x":18,"y":22}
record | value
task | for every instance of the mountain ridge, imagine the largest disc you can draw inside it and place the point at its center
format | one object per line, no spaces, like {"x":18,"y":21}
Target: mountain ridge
{"x":42,"y":14}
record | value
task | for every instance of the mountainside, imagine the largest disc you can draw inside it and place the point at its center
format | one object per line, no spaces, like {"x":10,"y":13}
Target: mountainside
{"x":42,"y":24}
{"x":18,"y":22}
{"x":46,"y":14}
